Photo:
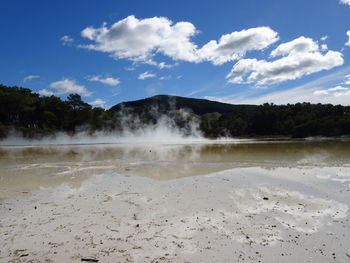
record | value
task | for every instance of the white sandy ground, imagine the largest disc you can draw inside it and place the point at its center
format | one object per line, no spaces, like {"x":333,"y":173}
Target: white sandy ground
{"x":239,"y":215}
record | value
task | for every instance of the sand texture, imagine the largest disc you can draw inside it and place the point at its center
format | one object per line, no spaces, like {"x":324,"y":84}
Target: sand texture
{"x":249,"y":214}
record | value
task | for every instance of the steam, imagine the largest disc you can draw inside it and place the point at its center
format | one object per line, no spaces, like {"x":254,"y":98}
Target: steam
{"x":132,"y":131}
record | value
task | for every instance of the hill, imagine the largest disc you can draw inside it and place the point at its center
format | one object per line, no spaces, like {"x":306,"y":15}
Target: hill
{"x":221,"y":119}
{"x":166,"y":103}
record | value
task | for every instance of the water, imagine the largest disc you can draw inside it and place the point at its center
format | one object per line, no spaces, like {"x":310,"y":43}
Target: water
{"x":140,"y":202}
{"x":26,"y":168}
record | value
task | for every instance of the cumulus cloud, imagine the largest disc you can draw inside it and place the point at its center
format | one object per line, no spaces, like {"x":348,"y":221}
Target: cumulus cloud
{"x":98,"y":102}
{"x":146,"y":75}
{"x":348,"y":43}
{"x":139,"y":40}
{"x":346,"y":2}
{"x":67,"y":40}
{"x":235,"y":45}
{"x":296,"y":58}
{"x":66,"y":86}
{"x":299,"y":45}
{"x":30,"y":77}
{"x":107,"y":80}
{"x":324,"y":38}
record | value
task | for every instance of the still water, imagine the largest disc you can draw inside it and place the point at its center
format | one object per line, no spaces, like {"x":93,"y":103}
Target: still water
{"x":26,"y":168}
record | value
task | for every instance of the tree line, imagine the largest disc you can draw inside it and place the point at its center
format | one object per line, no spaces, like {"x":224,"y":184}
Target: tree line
{"x":33,"y":115}
{"x":298,"y":120}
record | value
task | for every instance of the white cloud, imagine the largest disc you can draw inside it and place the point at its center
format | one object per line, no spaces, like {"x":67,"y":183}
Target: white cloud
{"x":295,"y":95}
{"x":338,"y":88}
{"x":30,"y":77}
{"x":65,"y":86}
{"x":333,"y":91}
{"x":348,"y":43}
{"x":67,"y":40}
{"x":131,"y":68}
{"x":162,"y":65}
{"x":347,"y":80}
{"x":316,"y":91}
{"x":300,"y":57}
{"x":146,"y":75}
{"x":324,"y":38}
{"x":98,"y":102}
{"x":324,"y":47}
{"x":165,"y":77}
{"x":297,"y":46}
{"x":45,"y":92}
{"x":346,"y":2}
{"x":236,"y":44}
{"x":140,"y":40}
{"x":107,"y":80}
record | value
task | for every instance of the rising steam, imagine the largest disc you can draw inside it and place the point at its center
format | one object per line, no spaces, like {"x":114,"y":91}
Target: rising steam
{"x":133,"y":131}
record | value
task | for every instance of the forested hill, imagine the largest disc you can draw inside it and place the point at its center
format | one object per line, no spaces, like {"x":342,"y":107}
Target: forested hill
{"x":221,"y":119}
{"x":166,"y":103}
{"x":32,"y":115}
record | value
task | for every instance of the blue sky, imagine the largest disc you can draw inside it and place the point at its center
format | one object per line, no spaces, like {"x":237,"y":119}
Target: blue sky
{"x":243,"y":51}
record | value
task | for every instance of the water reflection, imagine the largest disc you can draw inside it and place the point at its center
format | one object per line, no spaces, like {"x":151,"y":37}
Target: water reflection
{"x":27,"y":168}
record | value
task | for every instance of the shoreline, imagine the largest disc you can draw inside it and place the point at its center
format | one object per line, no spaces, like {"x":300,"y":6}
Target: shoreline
{"x":113,"y":140}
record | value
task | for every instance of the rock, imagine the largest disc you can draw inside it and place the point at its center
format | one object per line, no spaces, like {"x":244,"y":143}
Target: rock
{"x":89,"y":260}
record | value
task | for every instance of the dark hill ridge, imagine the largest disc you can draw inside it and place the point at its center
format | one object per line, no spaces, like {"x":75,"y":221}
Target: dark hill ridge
{"x":221,"y":119}
{"x":165,"y":103}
